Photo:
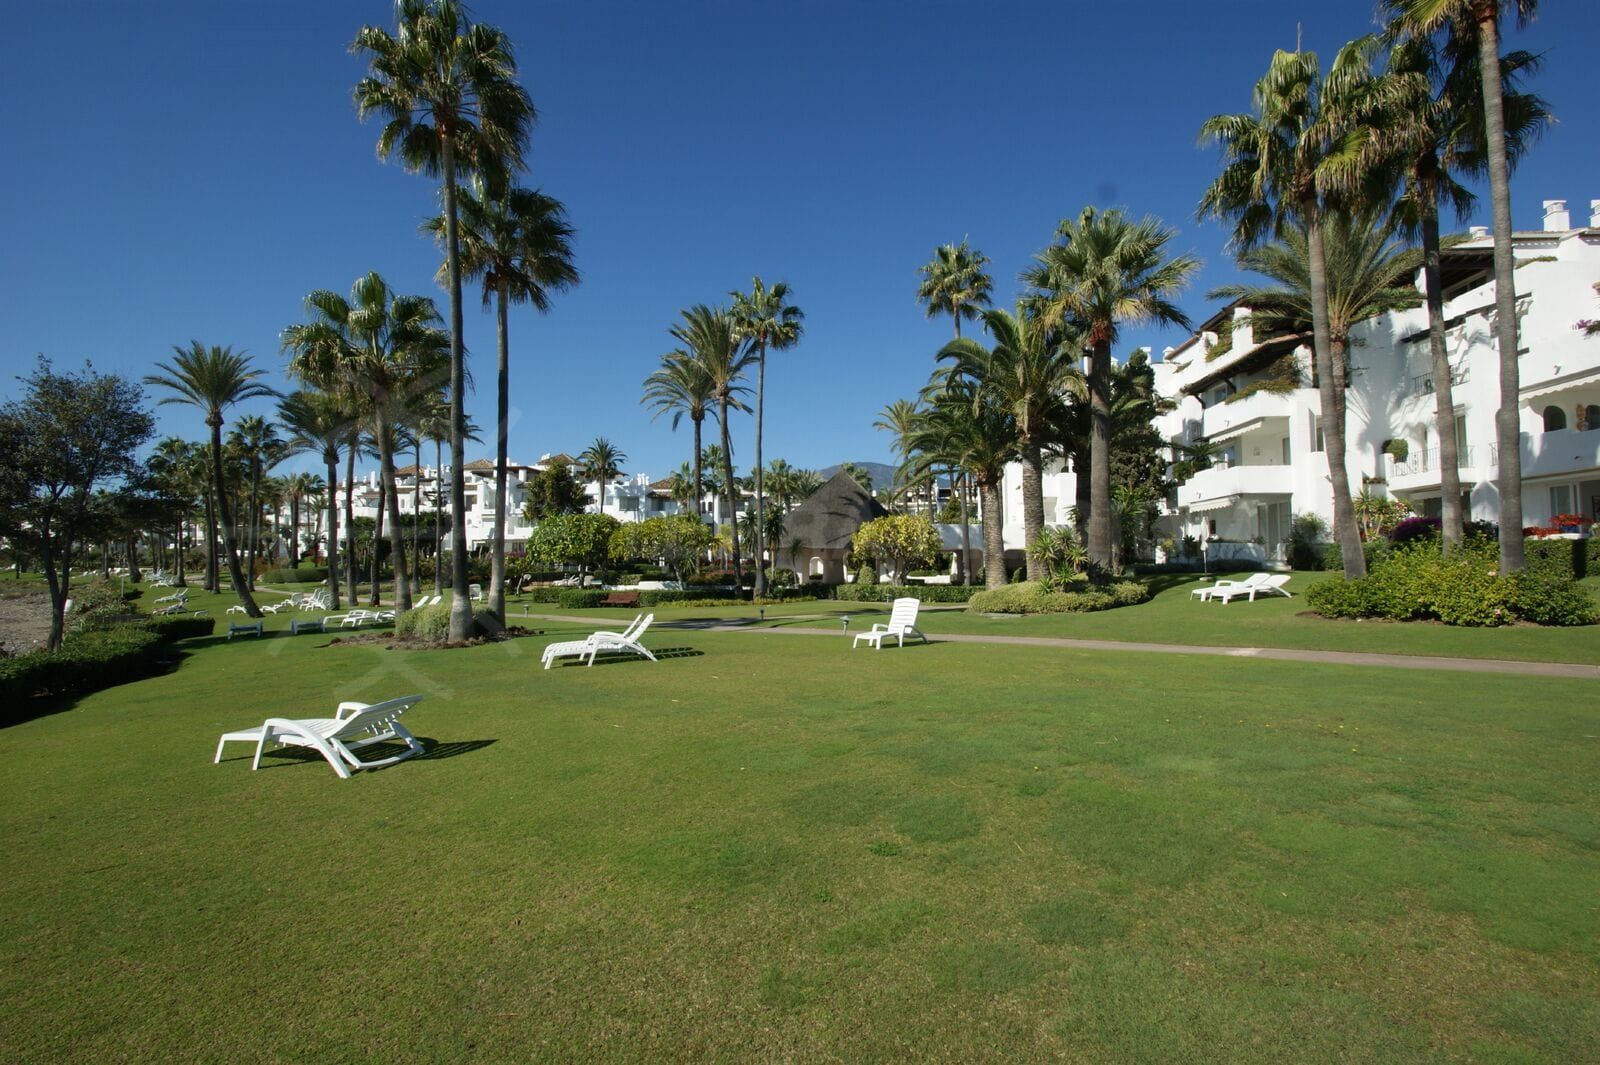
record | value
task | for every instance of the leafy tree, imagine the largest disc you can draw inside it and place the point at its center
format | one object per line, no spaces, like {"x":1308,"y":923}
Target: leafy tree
{"x":214,"y":379}
{"x":601,"y":462}
{"x":68,"y":435}
{"x":582,"y":540}
{"x":898,"y":542}
{"x":764,"y":319}
{"x":954,"y":282}
{"x":677,"y":541}
{"x":552,"y":492}
{"x":448,"y":94}
{"x":519,"y":243}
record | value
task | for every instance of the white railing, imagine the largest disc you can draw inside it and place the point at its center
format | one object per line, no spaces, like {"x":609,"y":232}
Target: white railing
{"x":1419,"y":462}
{"x":1422,"y":383}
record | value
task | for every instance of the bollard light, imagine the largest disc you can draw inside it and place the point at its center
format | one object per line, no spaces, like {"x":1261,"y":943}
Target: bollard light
{"x":844,"y":619}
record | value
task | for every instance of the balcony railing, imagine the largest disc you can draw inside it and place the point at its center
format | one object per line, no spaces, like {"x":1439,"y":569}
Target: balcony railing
{"x":1422,"y":383}
{"x":1427,"y":461}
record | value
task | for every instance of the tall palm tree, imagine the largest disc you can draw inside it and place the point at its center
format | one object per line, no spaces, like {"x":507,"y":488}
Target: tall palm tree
{"x":1026,"y":371}
{"x":601,"y":461}
{"x":710,"y":338}
{"x":432,"y":423}
{"x":764,"y":319}
{"x":1478,"y":22}
{"x":300,"y":488}
{"x":1284,"y":162}
{"x":518,"y":242}
{"x":1432,"y":130}
{"x":447,"y":91}
{"x":954,"y":282}
{"x":966,"y":427}
{"x":175,"y":463}
{"x":257,"y":440}
{"x":781,"y":479}
{"x":385,"y":349}
{"x":212,"y":380}
{"x":1105,"y":271}
{"x":682,"y":387}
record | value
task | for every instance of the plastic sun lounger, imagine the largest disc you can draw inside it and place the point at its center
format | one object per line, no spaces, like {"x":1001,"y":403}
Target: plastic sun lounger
{"x":902,"y":623}
{"x":603,"y":642}
{"x":337,"y":738}
{"x":1273,"y":585}
{"x":1205,"y":594}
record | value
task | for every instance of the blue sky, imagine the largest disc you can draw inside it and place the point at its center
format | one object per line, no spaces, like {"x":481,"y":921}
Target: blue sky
{"x":192,"y":170}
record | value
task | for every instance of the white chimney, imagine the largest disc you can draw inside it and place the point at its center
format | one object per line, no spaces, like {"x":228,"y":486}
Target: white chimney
{"x":1556,"y":218}
{"x":1594,"y":214}
{"x":1478,"y":231}
{"x":1244,"y":334}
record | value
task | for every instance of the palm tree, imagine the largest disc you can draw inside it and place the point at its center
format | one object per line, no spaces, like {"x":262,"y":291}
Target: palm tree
{"x":601,"y":461}
{"x":964,"y":426}
{"x":1026,"y":371}
{"x":300,"y":487}
{"x":519,"y":243}
{"x":448,"y":94}
{"x":1283,"y":163}
{"x":214,"y":379}
{"x":681,"y":387}
{"x":1432,"y":131}
{"x":709,"y":337}
{"x":432,"y":423}
{"x":385,"y":349}
{"x":764,"y":319}
{"x":954,"y":282}
{"x":175,"y":464}
{"x":1478,"y":22}
{"x":257,"y":440}
{"x":1105,"y":271}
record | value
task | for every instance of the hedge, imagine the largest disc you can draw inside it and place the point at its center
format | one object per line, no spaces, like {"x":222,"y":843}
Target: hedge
{"x":883,"y":593}
{"x":1562,"y":558}
{"x":85,"y":663}
{"x":303,"y":575}
{"x":181,"y":627}
{"x":1032,"y":597}
{"x":432,"y":623}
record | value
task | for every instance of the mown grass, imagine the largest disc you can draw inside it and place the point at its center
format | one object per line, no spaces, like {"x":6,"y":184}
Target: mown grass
{"x":766,"y":847}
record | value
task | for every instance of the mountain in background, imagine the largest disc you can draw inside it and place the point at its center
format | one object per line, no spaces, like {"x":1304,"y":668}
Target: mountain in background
{"x":882,"y":474}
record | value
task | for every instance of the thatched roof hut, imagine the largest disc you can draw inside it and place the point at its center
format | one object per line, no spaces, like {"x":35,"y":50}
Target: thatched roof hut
{"x":830,"y":516}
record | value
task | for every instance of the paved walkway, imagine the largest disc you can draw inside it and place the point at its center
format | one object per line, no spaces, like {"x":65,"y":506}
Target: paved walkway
{"x":1567,"y":670}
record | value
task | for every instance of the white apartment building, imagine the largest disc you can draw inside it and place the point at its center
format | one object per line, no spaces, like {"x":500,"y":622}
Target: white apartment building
{"x":1272,"y":464}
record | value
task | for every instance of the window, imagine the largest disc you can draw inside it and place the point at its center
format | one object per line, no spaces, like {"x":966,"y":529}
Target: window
{"x":1554,"y":418}
{"x":1286,"y":454}
{"x":1316,"y":433}
{"x":1561,"y":500}
{"x":1461,"y":431}
{"x":1591,"y":417}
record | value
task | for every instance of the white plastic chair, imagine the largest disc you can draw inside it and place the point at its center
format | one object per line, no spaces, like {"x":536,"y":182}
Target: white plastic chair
{"x":902,"y":623}
{"x":337,"y":738}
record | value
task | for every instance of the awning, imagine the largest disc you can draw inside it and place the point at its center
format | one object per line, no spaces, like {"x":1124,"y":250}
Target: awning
{"x":1233,"y":432}
{"x":1204,"y":505}
{"x":1572,"y":380}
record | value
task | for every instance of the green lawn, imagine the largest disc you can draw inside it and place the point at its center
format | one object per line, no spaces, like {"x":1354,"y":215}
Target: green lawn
{"x":1173,"y":616}
{"x":767,"y":847}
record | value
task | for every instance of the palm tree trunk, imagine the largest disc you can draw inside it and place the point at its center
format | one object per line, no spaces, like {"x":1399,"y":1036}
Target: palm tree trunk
{"x":397,"y":531}
{"x":699,"y":499}
{"x":761,"y":510}
{"x":994,"y":545}
{"x":1444,"y":405}
{"x":497,"y":557}
{"x":1330,"y":383}
{"x":294,"y":530}
{"x":209,"y":582}
{"x":332,"y":459}
{"x":1032,"y":506}
{"x":416,"y":517}
{"x":438,"y":525}
{"x":253,"y":526}
{"x":1099,"y":542}
{"x":730,"y":489}
{"x":958,"y":481}
{"x":1080,"y":477}
{"x":377,"y":537}
{"x":350,"y":518}
{"x":1507,"y":421}
{"x":239,"y":587}
{"x":460,"y":603}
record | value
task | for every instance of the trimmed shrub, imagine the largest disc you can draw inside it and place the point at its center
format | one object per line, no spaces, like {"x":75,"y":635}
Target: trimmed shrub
{"x":883,"y":593}
{"x":181,"y":627}
{"x":580,"y":598}
{"x":432,"y":623}
{"x":85,"y":663}
{"x":1560,"y":558}
{"x":1546,"y":600}
{"x":303,"y":575}
{"x":1031,"y":597}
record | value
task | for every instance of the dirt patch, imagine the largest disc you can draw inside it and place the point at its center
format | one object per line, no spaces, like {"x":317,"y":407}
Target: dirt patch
{"x":414,"y":643}
{"x":24,"y":622}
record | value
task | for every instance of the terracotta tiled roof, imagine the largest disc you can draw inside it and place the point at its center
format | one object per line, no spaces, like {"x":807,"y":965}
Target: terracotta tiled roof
{"x":561,"y":456}
{"x":663,"y":485}
{"x":479,"y":464}
{"x":407,"y":471}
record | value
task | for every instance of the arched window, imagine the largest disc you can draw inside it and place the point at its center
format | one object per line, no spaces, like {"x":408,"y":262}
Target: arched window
{"x":1554,"y":418}
{"x":816,"y":566}
{"x":1591,"y":417}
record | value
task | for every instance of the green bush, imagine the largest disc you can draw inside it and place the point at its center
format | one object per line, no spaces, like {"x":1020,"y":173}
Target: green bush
{"x":1561,"y":558}
{"x":580,"y":598}
{"x":181,"y":627}
{"x":85,"y":663}
{"x":303,"y":575}
{"x":883,"y":593}
{"x":432,"y":623}
{"x":1546,"y":600}
{"x":1031,"y":597}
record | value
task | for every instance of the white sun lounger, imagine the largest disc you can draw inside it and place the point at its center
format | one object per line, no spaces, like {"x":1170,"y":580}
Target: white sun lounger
{"x":1273,"y":585}
{"x":902,"y":623}
{"x":337,"y":738}
{"x":1205,"y":594}
{"x":602,"y":642}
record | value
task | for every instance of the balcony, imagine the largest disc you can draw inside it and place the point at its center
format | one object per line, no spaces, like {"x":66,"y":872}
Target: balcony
{"x":1222,"y":485}
{"x":1261,"y":410}
{"x":1422,"y":384}
{"x":1421,"y":467}
{"x":1561,"y":451}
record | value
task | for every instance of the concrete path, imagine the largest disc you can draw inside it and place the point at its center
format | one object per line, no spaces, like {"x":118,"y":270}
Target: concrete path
{"x":1565,"y":670}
